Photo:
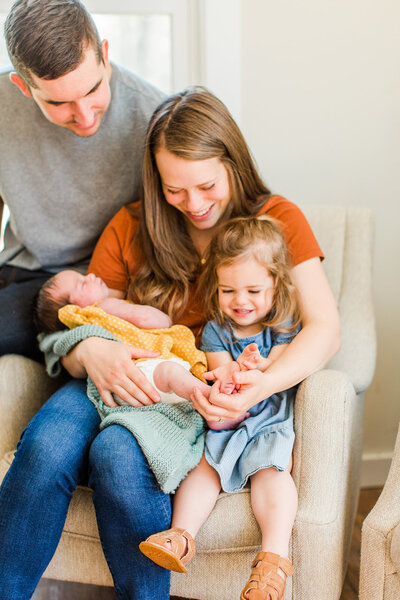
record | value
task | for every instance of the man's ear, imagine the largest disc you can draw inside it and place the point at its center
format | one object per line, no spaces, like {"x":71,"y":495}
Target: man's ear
{"x":20,"y":83}
{"x":104,"y":51}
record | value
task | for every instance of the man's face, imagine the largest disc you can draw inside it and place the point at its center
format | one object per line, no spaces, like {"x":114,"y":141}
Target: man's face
{"x":77,"y":100}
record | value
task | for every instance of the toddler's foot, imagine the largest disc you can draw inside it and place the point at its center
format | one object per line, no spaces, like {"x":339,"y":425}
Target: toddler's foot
{"x":268,"y":577}
{"x":171,"y":549}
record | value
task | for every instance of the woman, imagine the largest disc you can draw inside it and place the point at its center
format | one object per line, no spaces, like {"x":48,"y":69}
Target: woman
{"x":197,"y":171}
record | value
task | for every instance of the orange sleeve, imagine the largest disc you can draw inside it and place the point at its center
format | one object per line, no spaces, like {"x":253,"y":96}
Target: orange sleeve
{"x":113,"y":258}
{"x":300,"y":239}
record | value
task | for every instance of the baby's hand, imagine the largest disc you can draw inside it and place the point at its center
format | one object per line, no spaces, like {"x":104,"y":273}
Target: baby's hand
{"x":250,"y":358}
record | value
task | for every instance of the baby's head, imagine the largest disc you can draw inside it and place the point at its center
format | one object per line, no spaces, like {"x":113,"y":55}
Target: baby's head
{"x":247,"y":275}
{"x":66,"y":287}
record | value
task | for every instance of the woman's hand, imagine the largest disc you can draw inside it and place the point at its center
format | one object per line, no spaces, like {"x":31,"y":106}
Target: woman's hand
{"x":109,"y":365}
{"x":252,"y":389}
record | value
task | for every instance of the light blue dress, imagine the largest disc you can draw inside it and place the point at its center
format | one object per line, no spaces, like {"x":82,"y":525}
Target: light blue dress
{"x":265,"y":439}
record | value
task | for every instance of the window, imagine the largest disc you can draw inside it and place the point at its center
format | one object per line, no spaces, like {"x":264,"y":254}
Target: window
{"x":172,"y":43}
{"x":157,"y":39}
{"x":4,"y":60}
{"x":148,"y":37}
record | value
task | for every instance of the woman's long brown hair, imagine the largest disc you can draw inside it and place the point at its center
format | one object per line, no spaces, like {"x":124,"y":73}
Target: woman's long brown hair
{"x":193,"y":125}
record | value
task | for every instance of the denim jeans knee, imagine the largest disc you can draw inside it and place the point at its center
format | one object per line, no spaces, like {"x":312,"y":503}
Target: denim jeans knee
{"x":50,"y":461}
{"x":129,"y":506}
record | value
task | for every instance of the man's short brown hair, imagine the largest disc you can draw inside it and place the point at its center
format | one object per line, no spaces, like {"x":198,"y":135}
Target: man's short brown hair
{"x":47,"y":38}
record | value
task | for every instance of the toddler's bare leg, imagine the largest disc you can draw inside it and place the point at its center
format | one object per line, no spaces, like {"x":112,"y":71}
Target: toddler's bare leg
{"x":170,"y":377}
{"x":193,"y":502}
{"x":274,"y":503}
{"x":196,"y":497}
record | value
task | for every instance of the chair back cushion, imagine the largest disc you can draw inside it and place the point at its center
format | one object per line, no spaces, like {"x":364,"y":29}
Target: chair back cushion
{"x":345,"y":235}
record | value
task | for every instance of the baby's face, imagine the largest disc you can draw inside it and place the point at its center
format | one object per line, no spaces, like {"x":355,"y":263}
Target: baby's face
{"x":82,"y":290}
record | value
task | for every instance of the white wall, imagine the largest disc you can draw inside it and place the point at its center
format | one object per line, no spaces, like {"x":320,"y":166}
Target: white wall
{"x":321,"y":113}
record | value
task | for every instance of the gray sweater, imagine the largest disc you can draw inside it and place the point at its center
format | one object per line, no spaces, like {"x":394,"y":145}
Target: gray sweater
{"x":62,"y":189}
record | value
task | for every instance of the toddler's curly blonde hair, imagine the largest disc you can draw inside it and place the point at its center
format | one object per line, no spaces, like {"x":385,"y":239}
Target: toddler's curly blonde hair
{"x":259,"y":238}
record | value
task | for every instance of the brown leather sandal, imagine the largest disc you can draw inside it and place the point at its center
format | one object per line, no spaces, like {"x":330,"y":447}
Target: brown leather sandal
{"x":174,"y":558}
{"x":265,"y":582}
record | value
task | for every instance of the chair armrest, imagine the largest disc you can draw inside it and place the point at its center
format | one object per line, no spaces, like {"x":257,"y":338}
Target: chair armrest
{"x":380,"y":536}
{"x":327,"y":412}
{"x":385,"y":516}
{"x":395,"y":547}
{"x":24,"y":387}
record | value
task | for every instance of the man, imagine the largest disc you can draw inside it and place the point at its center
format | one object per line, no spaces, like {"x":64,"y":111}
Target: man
{"x":72,"y":128}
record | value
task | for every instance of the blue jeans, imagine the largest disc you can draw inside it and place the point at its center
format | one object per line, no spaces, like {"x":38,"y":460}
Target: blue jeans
{"x":61,"y":448}
{"x":18,"y":288}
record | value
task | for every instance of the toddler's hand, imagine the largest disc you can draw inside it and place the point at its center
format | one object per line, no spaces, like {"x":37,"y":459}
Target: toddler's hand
{"x":250,"y":358}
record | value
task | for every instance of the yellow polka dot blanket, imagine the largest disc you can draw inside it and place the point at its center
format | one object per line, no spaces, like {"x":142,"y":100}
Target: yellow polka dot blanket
{"x":171,"y":436}
{"x":177,"y":341}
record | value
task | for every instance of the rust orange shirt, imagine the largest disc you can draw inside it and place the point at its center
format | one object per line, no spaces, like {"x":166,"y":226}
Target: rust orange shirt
{"x":115,"y":257}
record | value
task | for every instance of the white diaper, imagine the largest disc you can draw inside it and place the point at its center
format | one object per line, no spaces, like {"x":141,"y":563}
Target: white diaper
{"x":148,"y":367}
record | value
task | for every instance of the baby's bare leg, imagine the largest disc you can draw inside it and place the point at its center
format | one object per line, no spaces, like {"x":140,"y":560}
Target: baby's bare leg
{"x":229,"y":424}
{"x":171,"y":377}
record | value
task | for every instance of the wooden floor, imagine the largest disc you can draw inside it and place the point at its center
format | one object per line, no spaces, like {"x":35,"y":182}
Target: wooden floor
{"x":55,"y":590}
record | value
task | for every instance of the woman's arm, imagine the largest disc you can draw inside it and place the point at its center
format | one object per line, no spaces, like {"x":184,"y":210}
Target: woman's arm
{"x":109,"y":365}
{"x":310,"y":350}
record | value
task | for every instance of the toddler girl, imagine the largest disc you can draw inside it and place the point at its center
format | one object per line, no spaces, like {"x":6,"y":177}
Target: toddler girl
{"x":255,"y":314}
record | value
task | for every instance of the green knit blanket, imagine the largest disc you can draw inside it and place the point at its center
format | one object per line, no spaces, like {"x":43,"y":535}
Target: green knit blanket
{"x":170,"y":436}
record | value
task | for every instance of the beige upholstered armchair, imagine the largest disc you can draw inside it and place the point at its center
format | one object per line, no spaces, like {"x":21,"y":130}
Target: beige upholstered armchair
{"x":328,"y":426}
{"x":380,"y":540}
